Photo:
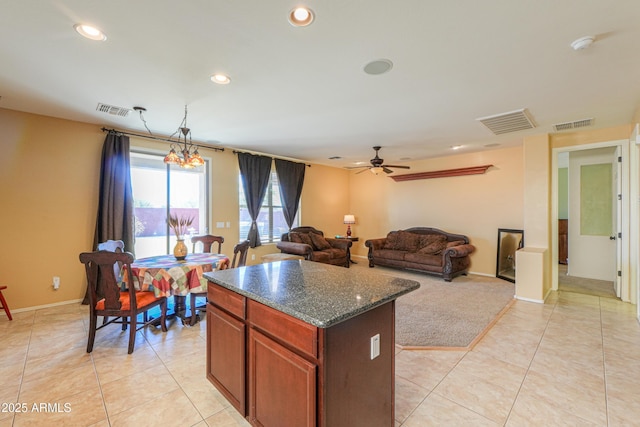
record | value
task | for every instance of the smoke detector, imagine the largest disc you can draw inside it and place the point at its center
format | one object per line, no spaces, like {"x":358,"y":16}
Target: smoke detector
{"x":582,"y":42}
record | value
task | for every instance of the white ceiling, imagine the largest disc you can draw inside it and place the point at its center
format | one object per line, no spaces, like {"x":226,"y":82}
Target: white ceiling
{"x":302,"y":93}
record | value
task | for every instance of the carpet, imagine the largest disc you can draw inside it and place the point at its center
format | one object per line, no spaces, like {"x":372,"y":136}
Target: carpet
{"x":448,"y":315}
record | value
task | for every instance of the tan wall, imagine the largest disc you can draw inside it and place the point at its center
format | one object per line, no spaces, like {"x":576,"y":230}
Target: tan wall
{"x":474,"y":205}
{"x":49,"y":175}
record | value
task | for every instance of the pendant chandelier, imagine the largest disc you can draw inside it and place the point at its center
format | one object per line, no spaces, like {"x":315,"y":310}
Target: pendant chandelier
{"x":189,"y":157}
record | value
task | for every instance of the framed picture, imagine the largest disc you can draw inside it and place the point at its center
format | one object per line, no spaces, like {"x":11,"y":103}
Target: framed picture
{"x":509,"y":241}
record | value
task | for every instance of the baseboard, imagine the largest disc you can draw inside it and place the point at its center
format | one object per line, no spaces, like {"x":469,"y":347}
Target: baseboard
{"x":539,"y":301}
{"x":38,"y":307}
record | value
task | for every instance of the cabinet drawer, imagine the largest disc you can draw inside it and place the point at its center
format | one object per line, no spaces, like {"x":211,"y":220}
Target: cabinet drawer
{"x":289,"y":330}
{"x":230,"y":301}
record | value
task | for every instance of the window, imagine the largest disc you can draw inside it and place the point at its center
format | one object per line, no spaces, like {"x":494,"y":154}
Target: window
{"x":271,"y":223}
{"x":159,"y":189}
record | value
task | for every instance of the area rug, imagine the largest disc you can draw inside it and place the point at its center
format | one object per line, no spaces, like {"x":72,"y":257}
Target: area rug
{"x":448,"y":315}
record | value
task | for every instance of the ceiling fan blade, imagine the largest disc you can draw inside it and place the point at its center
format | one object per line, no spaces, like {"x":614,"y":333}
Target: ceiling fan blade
{"x":397,"y":166}
{"x":386,"y":170}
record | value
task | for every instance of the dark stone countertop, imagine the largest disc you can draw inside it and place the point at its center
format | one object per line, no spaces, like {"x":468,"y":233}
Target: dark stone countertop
{"x":320,"y":294}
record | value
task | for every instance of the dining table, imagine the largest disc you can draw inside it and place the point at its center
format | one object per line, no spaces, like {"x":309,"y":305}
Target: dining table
{"x":164,"y":275}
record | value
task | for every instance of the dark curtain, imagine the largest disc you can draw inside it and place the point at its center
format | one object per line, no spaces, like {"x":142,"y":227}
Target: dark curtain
{"x":255,"y":171}
{"x":115,"y":200}
{"x":290,"y":178}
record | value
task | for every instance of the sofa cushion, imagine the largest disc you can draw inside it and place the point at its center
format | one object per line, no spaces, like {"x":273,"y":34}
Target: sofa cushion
{"x":301,"y":238}
{"x":407,"y":241}
{"x":422,"y":258}
{"x":319,"y":242}
{"x":432,"y":244}
{"x":455,"y":243}
{"x":335,"y":253}
{"x":389,"y":254}
{"x":322,"y":256}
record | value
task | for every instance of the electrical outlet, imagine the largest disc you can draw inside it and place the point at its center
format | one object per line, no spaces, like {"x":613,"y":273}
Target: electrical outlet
{"x":253,"y":257}
{"x":228,"y":224}
{"x":56,"y":282}
{"x":375,"y":346}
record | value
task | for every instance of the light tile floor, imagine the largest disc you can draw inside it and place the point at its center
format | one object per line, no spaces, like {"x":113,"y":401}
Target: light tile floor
{"x":572,"y":361}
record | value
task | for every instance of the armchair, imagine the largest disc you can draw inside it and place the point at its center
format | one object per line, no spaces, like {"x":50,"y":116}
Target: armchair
{"x":313,"y":246}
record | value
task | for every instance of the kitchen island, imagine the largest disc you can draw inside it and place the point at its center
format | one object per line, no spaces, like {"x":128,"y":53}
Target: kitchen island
{"x":299,"y":343}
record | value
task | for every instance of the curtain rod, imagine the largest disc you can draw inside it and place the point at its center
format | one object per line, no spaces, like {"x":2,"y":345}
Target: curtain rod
{"x":157,"y":138}
{"x":281,"y":158}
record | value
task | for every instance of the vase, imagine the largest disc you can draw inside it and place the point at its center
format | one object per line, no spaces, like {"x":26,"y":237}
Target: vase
{"x":180,"y":250}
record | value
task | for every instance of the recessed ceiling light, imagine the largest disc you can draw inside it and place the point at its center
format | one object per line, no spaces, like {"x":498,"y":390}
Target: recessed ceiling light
{"x":90,"y":32}
{"x":301,"y":16}
{"x":221,"y":79}
{"x":456,"y":147}
{"x":379,"y":66}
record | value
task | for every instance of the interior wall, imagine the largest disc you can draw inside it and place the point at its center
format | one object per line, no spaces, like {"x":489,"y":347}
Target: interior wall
{"x":49,"y":176}
{"x":473,"y":205}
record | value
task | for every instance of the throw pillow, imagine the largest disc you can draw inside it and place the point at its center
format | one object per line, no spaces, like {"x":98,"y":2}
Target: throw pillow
{"x":392,"y":238}
{"x":407,"y":241}
{"x":295,"y":237}
{"x":432,"y":244}
{"x":319,"y":242}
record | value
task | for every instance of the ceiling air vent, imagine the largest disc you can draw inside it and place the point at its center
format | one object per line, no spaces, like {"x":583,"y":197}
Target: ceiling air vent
{"x":508,"y":122}
{"x":115,"y":111}
{"x":573,"y":125}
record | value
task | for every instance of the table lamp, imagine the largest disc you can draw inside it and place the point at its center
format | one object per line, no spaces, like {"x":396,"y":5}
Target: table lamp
{"x":349,"y":219}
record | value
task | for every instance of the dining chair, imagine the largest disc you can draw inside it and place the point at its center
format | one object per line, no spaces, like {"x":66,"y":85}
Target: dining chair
{"x":207,"y":241}
{"x":123,"y":305}
{"x":240,"y":254}
{"x":4,"y":303}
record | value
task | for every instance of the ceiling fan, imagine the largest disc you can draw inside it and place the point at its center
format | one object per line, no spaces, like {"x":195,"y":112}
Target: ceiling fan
{"x":377,"y":165}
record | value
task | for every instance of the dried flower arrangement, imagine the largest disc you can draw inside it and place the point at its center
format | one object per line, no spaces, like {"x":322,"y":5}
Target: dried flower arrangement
{"x":179,"y":225}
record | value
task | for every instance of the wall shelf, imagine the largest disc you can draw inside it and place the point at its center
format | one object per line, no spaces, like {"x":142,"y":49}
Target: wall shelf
{"x":474,"y":170}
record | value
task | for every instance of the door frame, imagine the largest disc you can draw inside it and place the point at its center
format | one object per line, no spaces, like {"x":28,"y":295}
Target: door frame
{"x":626,"y":291}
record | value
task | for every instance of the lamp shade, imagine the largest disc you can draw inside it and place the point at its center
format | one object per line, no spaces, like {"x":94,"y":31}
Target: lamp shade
{"x":349,"y":219}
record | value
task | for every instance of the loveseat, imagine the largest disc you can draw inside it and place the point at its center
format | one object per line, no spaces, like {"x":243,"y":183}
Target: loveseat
{"x":313,"y":246}
{"x":424,"y":249}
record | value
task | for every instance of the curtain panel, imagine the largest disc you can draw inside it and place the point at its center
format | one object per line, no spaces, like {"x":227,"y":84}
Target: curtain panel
{"x":255,"y":171}
{"x":291,"y":180}
{"x":115,"y":218}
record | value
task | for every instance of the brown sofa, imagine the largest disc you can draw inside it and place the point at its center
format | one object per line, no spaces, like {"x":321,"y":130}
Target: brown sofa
{"x":424,"y":249}
{"x":313,"y":246}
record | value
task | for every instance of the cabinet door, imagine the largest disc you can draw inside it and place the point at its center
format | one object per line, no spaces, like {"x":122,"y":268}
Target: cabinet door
{"x":282,"y":385}
{"x":226,"y":356}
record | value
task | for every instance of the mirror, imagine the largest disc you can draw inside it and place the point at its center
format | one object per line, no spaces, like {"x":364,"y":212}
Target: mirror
{"x":509,"y":241}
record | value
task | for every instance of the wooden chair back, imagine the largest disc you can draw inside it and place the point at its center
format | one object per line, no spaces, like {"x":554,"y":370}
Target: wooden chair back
{"x":207,"y":241}
{"x":240,"y":254}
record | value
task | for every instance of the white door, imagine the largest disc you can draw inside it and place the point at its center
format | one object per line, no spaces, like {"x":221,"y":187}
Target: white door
{"x":593,"y":214}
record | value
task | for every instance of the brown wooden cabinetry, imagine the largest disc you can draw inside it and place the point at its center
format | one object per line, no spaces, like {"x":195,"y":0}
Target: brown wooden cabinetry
{"x":563,"y":241}
{"x":292,"y":373}
{"x":226,"y":335}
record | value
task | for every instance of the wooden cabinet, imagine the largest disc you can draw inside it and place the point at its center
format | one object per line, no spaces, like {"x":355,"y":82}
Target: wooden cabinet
{"x":563,"y":241}
{"x":226,"y":348}
{"x":292,"y":373}
{"x":282,"y":385}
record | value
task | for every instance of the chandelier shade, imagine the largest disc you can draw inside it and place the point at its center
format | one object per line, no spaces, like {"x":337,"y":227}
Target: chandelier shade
{"x":189,"y":157}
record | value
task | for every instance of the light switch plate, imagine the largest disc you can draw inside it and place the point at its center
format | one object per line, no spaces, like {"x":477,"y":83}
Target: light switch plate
{"x":220,"y":224}
{"x":375,"y":346}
